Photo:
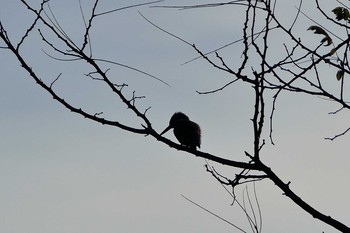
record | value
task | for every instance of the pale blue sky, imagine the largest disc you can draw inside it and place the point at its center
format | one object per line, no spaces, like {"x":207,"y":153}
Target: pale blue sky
{"x":60,"y":173}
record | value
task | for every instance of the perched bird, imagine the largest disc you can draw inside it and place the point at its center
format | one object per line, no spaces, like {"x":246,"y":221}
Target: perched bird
{"x":187,"y":132}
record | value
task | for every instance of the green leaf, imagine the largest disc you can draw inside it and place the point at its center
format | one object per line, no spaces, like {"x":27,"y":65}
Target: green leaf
{"x":333,"y":51}
{"x":341,"y":13}
{"x":340,"y":74}
{"x":319,"y":30}
{"x":328,"y":41}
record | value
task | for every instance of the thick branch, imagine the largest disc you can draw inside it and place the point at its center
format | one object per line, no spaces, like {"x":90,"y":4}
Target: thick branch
{"x":300,"y":202}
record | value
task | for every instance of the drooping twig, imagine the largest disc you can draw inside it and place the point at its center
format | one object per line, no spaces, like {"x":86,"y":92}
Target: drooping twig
{"x":212,"y":213}
{"x":338,"y":135}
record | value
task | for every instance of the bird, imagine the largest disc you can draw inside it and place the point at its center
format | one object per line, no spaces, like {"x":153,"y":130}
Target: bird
{"x":187,"y":132}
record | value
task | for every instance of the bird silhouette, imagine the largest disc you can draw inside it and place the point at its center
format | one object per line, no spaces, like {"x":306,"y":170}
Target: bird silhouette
{"x":187,"y":132}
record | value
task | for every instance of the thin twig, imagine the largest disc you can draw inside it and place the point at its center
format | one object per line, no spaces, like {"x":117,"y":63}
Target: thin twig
{"x":212,"y":213}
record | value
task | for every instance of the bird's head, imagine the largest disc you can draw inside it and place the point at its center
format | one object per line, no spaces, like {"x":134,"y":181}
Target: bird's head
{"x":177,"y":118}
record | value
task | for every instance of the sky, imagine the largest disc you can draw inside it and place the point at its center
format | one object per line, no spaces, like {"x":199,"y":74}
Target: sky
{"x":61,"y":173}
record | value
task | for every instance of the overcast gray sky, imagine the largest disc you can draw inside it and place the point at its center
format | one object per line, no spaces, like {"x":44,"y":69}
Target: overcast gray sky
{"x":61,"y":173}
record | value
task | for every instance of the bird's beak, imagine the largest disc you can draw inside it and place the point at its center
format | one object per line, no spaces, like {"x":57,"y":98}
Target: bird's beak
{"x":167,"y":128}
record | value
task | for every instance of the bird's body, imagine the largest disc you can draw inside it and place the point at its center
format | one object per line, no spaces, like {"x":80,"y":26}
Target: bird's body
{"x":187,"y":132}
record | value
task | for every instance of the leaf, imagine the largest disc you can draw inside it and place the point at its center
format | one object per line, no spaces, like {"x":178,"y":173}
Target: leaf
{"x":340,"y":74}
{"x":341,"y":13}
{"x":319,"y":30}
{"x":328,"y":41}
{"x":333,"y":51}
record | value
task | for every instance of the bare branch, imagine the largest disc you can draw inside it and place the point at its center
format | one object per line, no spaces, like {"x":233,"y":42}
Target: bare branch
{"x":55,"y":80}
{"x":163,"y":30}
{"x":87,"y":26}
{"x":33,"y":24}
{"x":127,"y":7}
{"x":218,"y":89}
{"x":338,"y":135}
{"x":132,"y":68}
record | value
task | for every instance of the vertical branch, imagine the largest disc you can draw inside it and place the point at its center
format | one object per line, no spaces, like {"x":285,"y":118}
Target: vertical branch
{"x":259,"y":107}
{"x":88,"y":26}
{"x":343,"y":63}
{"x":257,"y":112}
{"x":259,"y":209}
{"x":259,"y":85}
{"x":245,"y":41}
{"x":255,"y":86}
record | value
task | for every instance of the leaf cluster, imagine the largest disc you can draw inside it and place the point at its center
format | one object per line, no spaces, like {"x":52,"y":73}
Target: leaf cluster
{"x":341,"y":13}
{"x":319,"y":30}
